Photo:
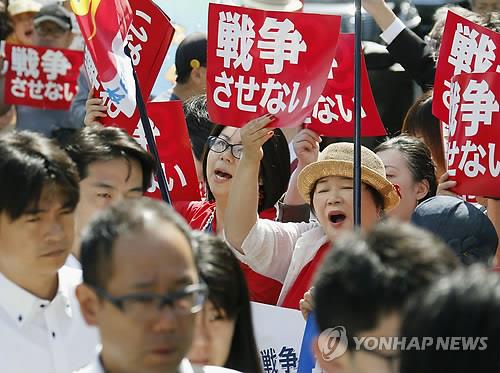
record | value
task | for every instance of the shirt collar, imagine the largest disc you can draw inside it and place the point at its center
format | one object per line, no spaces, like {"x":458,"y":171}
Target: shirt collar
{"x":22,"y":306}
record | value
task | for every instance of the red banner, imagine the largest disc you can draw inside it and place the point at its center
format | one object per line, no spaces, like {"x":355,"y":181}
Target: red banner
{"x":147,"y":51}
{"x":333,"y":114}
{"x":267,"y":62}
{"x":174,"y":149}
{"x":474,"y":130}
{"x":104,"y":25}
{"x":41,"y":77}
{"x":465,"y":48}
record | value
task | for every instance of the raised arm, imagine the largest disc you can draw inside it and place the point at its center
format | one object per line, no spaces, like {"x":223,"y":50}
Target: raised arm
{"x":306,"y":146}
{"x":241,"y":211}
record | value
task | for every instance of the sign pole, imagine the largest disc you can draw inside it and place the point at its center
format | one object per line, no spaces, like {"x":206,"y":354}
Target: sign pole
{"x":162,"y":181}
{"x":357,"y":114}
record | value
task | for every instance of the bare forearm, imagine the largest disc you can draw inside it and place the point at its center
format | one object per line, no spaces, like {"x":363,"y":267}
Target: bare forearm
{"x":381,"y":13}
{"x":292,"y":196}
{"x":241,"y":210}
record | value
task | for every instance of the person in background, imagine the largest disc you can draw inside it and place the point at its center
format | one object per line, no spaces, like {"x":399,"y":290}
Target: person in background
{"x":52,"y":25}
{"x":199,"y":127}
{"x":21,"y":13}
{"x":141,"y":288}
{"x":41,"y":328}
{"x":421,"y":123}
{"x":462,"y":226}
{"x":363,"y":286}
{"x":190,"y":67}
{"x":224,"y":331}
{"x":112,"y":166}
{"x":464,"y":304}
{"x":409,"y":165}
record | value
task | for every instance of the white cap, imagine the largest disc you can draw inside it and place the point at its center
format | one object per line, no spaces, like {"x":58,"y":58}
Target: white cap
{"x":23,"y":6}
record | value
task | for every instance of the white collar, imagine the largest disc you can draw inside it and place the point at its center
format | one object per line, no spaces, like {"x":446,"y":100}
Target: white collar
{"x":22,"y":306}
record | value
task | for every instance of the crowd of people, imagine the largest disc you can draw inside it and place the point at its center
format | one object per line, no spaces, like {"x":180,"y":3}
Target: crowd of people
{"x":95,"y":277}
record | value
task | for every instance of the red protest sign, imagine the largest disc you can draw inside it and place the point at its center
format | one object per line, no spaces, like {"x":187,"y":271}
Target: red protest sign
{"x":333,"y":114}
{"x":465,"y":48}
{"x":147,"y":52}
{"x":174,"y":149}
{"x":41,"y":77}
{"x":262,"y":61}
{"x":474,"y":129}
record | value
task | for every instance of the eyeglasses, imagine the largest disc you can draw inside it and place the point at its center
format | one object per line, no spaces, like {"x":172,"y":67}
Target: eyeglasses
{"x":219,"y":145}
{"x":147,"y":305}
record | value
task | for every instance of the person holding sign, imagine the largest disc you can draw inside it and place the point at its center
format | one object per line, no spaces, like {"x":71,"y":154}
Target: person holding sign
{"x":291,"y":252}
{"x":52,"y":27}
{"x":220,"y":164}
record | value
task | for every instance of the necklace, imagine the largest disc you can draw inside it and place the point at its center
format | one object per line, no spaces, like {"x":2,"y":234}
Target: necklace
{"x":208,"y":227}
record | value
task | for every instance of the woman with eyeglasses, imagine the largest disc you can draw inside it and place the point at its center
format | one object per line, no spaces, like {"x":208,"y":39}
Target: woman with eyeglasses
{"x":220,"y":161}
{"x":223,"y":333}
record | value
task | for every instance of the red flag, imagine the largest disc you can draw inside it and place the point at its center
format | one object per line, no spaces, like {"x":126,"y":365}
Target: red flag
{"x":104,"y":25}
{"x":333,"y":114}
{"x":174,"y":149}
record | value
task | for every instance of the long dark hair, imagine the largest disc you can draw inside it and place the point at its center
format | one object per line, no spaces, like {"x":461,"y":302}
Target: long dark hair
{"x":228,"y":292}
{"x":274,"y":168}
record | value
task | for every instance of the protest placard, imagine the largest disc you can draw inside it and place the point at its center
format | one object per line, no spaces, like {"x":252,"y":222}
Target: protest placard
{"x":267,"y":62}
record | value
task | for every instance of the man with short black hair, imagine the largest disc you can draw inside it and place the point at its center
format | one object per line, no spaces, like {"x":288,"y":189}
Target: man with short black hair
{"x":363,"y":284}
{"x":141,"y":288}
{"x":190,"y":67}
{"x":466,"y":305}
{"x":41,"y":328}
{"x":112,"y":166}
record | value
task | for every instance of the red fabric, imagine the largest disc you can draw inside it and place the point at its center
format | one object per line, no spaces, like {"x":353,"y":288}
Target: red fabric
{"x":304,"y":280}
{"x":261,"y":288}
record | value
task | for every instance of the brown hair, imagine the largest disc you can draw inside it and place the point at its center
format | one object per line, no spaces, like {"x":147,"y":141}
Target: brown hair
{"x":420,"y":122}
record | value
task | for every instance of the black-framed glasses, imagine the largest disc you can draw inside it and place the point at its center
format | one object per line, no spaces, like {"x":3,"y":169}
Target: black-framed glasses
{"x":146,"y":305}
{"x":219,"y":145}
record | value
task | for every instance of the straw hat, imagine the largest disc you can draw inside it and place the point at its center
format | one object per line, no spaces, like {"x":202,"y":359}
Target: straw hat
{"x":23,"y":6}
{"x":338,"y":160}
{"x":278,"y":5}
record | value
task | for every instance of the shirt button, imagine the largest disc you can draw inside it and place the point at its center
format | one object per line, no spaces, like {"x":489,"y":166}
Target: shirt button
{"x":53,"y":334}
{"x":42,"y":305}
{"x":20,"y":318}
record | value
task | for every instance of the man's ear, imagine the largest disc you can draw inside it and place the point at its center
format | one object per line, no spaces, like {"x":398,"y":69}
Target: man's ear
{"x":89,"y":303}
{"x":334,"y":366}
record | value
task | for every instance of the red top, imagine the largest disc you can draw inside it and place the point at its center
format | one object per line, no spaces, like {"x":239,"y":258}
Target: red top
{"x":198,"y":213}
{"x":303,"y":282}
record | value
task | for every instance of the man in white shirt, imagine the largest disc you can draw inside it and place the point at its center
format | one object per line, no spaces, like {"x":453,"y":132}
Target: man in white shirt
{"x":112,"y":166}
{"x":41,"y":328}
{"x":141,"y":288}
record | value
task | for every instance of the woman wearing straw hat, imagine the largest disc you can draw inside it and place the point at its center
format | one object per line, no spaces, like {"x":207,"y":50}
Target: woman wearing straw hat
{"x":290,"y":252}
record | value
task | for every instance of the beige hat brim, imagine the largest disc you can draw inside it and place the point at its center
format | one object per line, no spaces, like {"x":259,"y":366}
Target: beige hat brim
{"x":320,"y":169}
{"x":25,"y":6}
